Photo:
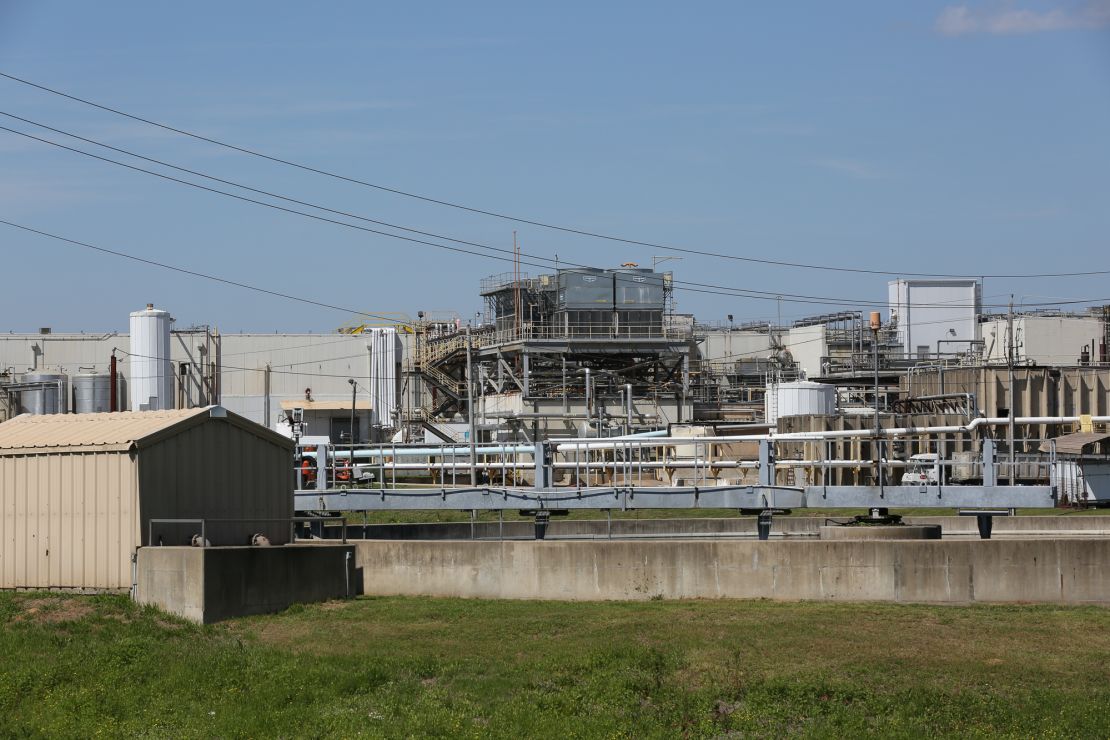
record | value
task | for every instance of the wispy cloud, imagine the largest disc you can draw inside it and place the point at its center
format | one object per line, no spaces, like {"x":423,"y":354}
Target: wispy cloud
{"x":851,"y":167}
{"x":1009,"y":20}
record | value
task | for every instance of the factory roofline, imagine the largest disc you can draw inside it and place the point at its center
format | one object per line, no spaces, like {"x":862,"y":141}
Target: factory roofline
{"x":113,"y":432}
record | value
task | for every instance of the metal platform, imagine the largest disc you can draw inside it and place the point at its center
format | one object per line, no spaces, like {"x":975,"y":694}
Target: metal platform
{"x":622,"y":498}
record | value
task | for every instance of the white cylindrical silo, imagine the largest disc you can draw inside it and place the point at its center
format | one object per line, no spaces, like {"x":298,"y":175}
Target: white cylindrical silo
{"x":151,"y":380}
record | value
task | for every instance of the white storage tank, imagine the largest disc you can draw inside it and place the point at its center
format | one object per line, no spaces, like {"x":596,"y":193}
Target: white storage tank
{"x":92,"y":393}
{"x":151,"y":378}
{"x":800,"y":398}
{"x":49,"y":398}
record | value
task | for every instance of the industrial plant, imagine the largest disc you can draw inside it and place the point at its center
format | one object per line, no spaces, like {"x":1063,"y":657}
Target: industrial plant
{"x":578,"y":389}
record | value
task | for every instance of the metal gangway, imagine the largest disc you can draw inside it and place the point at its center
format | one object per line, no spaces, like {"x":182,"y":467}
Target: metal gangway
{"x":640,"y":472}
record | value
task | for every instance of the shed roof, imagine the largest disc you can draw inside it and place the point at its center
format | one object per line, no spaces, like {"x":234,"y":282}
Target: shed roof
{"x":1073,"y":444}
{"x":112,"y":431}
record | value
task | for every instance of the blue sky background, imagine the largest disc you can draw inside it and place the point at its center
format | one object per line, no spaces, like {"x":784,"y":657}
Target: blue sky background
{"x":924,"y":137}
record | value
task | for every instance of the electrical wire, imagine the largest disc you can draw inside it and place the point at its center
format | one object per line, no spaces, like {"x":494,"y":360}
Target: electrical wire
{"x":704,"y":288}
{"x":195,"y":273}
{"x":508,"y":217}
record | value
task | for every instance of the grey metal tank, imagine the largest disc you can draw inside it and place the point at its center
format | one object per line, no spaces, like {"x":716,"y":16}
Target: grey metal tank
{"x":92,"y":393}
{"x":50,"y":398}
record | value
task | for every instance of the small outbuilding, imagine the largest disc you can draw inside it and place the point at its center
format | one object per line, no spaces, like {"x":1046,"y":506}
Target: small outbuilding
{"x":78,"y":491}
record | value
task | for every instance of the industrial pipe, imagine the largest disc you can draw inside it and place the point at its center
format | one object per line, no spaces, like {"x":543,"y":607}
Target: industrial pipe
{"x":589,"y":443}
{"x":379,"y":452}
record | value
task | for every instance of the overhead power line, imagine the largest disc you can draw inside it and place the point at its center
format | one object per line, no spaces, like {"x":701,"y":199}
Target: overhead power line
{"x":347,"y":214}
{"x":205,"y":276}
{"x":505,"y":216}
{"x":682,"y":285}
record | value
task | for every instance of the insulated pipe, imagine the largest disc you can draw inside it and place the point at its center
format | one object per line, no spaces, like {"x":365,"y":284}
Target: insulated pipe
{"x":892,"y":432}
{"x":459,"y":450}
{"x":379,"y":452}
{"x":628,"y":404}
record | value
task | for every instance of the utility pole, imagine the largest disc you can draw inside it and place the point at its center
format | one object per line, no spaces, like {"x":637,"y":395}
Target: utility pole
{"x":470,"y":412}
{"x":1010,"y":393}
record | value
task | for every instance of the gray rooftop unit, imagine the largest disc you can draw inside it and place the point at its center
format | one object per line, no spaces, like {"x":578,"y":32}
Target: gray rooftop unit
{"x":585,"y":288}
{"x":638,"y":288}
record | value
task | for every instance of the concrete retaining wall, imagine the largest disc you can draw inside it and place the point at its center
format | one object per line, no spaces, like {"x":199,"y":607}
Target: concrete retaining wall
{"x":962,"y":571}
{"x":214,"y":583}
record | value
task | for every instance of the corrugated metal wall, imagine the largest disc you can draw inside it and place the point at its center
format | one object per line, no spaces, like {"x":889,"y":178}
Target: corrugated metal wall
{"x":71,"y":518}
{"x":67,"y":520}
{"x":215,"y":471}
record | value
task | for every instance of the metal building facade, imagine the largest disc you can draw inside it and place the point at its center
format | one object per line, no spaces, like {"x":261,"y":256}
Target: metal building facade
{"x":934,"y":316}
{"x":77,"y":492}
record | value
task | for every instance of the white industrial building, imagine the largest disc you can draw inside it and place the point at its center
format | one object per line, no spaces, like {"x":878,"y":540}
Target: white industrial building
{"x":1044,"y":340}
{"x":258,"y":376}
{"x":935,"y":317}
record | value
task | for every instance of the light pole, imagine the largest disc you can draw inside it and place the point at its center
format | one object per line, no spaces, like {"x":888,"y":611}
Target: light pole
{"x":655,"y":260}
{"x":876,"y":323}
{"x":354,"y":396}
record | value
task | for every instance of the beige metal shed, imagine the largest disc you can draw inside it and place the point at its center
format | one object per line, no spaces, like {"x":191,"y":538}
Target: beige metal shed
{"x":78,"y":491}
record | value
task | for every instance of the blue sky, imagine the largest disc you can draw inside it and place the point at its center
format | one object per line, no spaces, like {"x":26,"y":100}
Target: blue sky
{"x":921,"y":137}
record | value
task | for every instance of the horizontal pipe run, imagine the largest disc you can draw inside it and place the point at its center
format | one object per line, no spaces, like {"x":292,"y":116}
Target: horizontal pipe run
{"x":596,"y":444}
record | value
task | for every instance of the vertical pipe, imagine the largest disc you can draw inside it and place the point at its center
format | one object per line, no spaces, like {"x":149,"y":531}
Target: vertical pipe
{"x":589,"y":416}
{"x":628,"y":404}
{"x":566,"y":407}
{"x":113,"y":375}
{"x":470,"y":411}
{"x":266,"y":388}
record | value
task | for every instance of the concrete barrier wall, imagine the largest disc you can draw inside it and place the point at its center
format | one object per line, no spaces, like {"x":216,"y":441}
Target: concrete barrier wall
{"x":962,"y":571}
{"x":951,"y":525}
{"x":215,"y":583}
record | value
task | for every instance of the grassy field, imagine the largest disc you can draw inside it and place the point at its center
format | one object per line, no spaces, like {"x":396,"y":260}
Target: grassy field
{"x":397,"y":667}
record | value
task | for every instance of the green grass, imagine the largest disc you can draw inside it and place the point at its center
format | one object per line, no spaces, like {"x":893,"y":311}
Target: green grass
{"x":393,"y":667}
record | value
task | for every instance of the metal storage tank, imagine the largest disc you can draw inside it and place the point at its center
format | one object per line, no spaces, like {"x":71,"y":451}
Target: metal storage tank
{"x":803,"y":398}
{"x":50,"y":399}
{"x":585,"y":288}
{"x":799,"y":398}
{"x":92,"y":393}
{"x":385,"y":359}
{"x":151,"y":379}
